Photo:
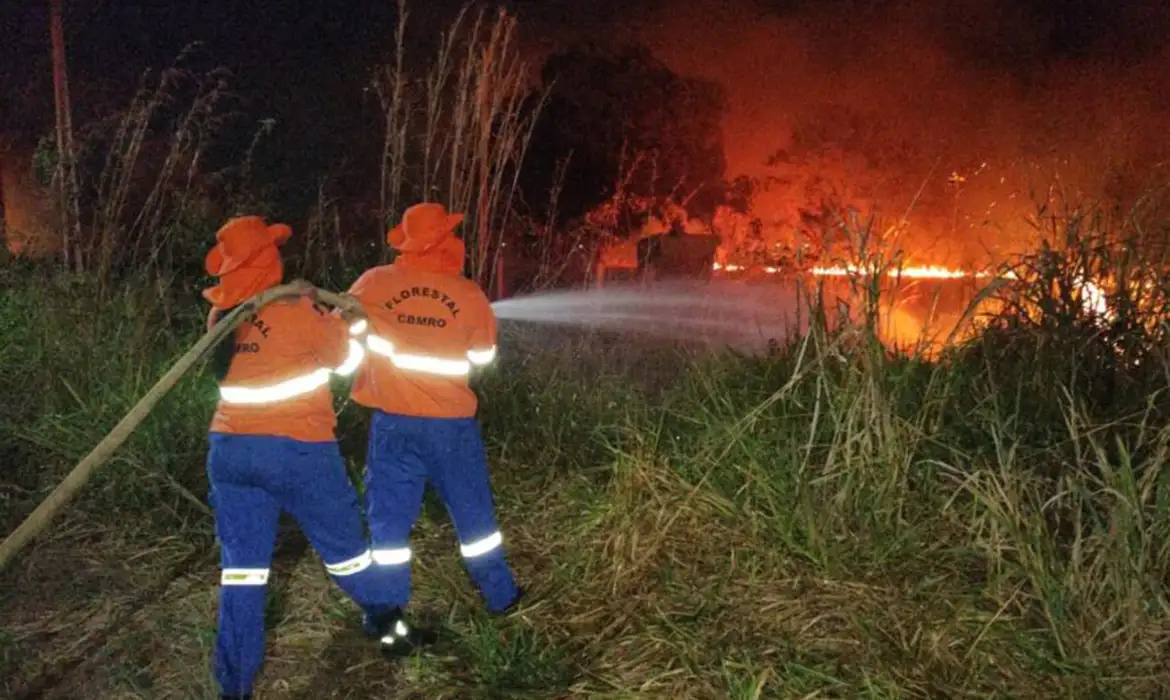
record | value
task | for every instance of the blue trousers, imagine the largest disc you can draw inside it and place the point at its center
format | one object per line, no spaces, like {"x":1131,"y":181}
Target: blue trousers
{"x":254,"y":478}
{"x":407,"y":452}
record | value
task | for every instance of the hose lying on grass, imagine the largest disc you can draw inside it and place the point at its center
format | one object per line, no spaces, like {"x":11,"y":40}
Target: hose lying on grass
{"x":40,"y":518}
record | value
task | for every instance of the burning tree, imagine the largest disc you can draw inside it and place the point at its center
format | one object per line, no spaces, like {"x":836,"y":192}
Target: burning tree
{"x":812,"y":187}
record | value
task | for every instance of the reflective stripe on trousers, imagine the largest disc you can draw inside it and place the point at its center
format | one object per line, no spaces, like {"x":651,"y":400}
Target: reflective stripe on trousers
{"x":482,"y":546}
{"x":349,"y":567}
{"x":243,"y":577}
{"x":392,"y":557}
{"x":253,"y":478}
{"x":403,"y":555}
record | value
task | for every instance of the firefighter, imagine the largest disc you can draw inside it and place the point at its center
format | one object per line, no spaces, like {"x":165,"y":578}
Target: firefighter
{"x":428,"y":327}
{"x":272,"y":448}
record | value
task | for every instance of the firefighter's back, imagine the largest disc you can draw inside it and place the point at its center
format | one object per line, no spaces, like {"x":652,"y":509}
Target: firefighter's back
{"x":278,"y":381}
{"x":427,"y":330}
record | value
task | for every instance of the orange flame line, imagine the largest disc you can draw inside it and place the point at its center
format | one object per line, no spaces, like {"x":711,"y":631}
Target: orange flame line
{"x":1094,"y":298}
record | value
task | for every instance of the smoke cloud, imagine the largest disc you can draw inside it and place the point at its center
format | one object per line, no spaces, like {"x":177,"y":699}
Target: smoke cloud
{"x":966,"y":110}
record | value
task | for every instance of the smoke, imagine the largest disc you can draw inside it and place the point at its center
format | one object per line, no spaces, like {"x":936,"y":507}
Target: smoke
{"x":966,"y":110}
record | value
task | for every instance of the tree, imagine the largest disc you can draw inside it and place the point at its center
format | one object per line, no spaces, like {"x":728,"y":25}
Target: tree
{"x":65,"y":178}
{"x":626,"y":122}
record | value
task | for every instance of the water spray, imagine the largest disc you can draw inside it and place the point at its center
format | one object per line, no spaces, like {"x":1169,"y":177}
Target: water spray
{"x":714,"y":313}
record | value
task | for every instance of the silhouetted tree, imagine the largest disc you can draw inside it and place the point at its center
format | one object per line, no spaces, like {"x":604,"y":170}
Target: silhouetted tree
{"x":625,"y":120}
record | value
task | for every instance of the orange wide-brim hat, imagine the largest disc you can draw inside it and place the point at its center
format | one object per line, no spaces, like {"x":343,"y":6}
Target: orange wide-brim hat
{"x":246,"y":259}
{"x":423,"y":227}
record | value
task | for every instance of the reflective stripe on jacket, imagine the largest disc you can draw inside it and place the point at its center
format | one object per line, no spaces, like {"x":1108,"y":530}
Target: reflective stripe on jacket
{"x":427,"y":332}
{"x":278,"y":383}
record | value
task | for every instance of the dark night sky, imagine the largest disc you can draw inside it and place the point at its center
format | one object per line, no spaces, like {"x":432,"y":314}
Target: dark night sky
{"x":286,"y":47}
{"x":291,"y":45}
{"x":970,"y":76}
{"x":292,"y":65}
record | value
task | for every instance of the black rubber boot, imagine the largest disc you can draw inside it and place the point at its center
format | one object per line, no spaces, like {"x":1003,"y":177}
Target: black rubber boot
{"x":395,"y":635}
{"x":374,"y":626}
{"x":246,"y":696}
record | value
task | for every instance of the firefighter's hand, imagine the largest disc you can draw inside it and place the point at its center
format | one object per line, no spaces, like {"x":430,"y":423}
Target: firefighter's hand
{"x":213,"y":317}
{"x":350,"y":308}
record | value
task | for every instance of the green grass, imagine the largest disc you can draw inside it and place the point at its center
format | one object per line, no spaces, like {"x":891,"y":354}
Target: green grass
{"x":825,"y":522}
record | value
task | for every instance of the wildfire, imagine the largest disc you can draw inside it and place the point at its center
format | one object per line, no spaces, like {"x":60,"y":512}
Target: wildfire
{"x":1093,"y":297}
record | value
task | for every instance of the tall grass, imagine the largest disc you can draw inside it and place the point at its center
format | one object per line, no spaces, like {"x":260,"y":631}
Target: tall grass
{"x":145,"y":170}
{"x":458,"y":136}
{"x":156,"y":177}
{"x":828,"y":519}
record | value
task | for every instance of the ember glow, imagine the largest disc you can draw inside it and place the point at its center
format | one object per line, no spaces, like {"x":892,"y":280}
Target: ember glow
{"x":1094,"y":300}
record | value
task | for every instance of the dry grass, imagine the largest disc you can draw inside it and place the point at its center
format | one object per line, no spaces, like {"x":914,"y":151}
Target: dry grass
{"x":746,"y":529}
{"x":142,"y":169}
{"x":652,"y":590}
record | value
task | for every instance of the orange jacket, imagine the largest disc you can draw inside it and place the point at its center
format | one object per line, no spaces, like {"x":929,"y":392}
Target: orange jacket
{"x":278,"y":383}
{"x":428,"y":325}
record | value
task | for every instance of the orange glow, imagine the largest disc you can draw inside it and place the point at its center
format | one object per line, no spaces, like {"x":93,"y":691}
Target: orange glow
{"x":965,"y":152}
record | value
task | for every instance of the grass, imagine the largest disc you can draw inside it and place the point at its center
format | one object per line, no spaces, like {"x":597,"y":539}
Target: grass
{"x":827,"y":521}
{"x":139,"y":172}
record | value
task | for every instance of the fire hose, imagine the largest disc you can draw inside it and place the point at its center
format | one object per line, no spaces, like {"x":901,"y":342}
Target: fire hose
{"x":39,"y":519}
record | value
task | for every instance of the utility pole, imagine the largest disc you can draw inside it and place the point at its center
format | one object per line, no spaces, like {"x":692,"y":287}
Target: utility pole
{"x":64,"y":176}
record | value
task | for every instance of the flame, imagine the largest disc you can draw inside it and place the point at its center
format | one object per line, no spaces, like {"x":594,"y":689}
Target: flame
{"x":1094,"y":298}
{"x":926,"y":272}
{"x":929,"y":272}
{"x":936,"y":272}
